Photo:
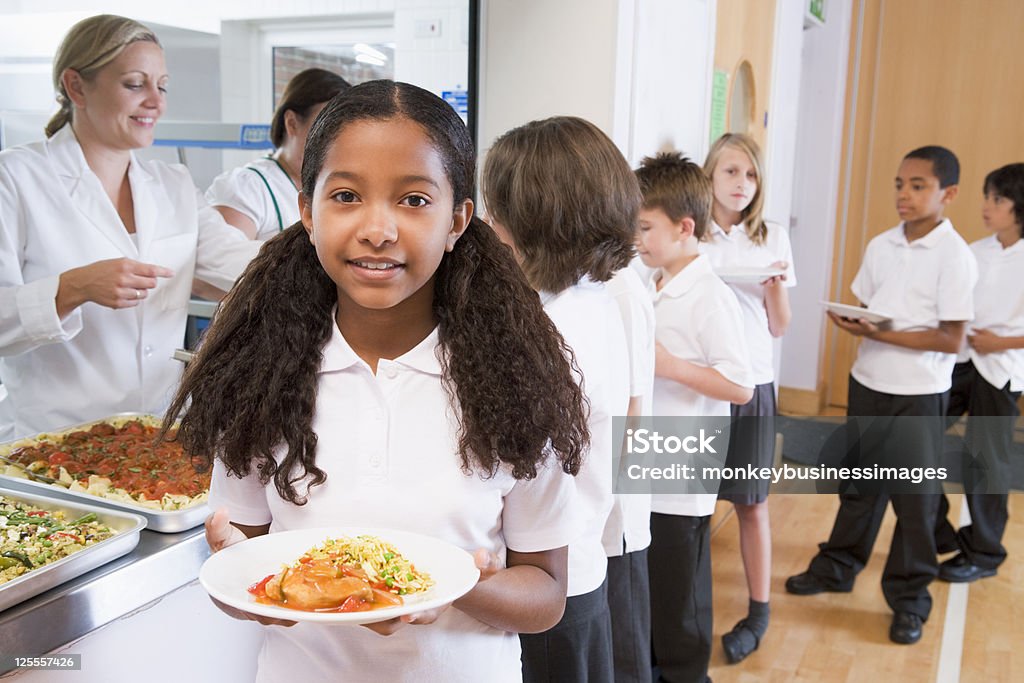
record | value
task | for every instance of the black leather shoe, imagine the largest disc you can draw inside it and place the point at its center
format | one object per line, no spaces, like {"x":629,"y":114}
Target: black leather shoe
{"x":906,"y":628}
{"x":959,"y":570}
{"x":809,"y":584}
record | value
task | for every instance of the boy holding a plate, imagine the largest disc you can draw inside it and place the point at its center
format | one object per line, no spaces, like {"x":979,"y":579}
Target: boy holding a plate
{"x":923,"y":272}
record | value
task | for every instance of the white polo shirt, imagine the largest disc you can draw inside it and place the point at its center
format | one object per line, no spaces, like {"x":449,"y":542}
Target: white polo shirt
{"x":919,"y":284}
{"x":629,"y":521}
{"x":388,"y":443}
{"x":998,"y":307}
{"x":272,"y":206}
{"x":587,"y":317}
{"x":735,"y":248}
{"x":697,"y":319}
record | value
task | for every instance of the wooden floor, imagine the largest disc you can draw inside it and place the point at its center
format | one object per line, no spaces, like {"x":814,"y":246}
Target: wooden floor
{"x":844,"y":637}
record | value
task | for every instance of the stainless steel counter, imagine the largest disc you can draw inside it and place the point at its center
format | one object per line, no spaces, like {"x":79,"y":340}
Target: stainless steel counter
{"x":160,"y":564}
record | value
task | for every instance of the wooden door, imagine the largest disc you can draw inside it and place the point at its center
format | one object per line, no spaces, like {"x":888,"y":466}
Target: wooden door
{"x":942,"y":72}
{"x":744,"y":35}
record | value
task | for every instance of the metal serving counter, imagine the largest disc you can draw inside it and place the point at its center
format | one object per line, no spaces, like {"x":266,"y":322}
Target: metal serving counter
{"x":160,"y":564}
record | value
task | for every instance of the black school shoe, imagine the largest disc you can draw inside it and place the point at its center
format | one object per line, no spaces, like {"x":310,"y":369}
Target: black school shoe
{"x":740,"y":642}
{"x":960,"y":570}
{"x":810,"y":584}
{"x":906,"y":628}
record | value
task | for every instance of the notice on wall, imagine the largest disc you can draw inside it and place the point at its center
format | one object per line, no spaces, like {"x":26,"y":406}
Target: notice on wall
{"x":719,"y":100}
{"x":459,"y":101}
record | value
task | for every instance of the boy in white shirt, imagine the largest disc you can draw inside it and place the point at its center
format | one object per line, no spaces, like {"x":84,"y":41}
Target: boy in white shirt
{"x":921,"y":273}
{"x":987,"y":382}
{"x":563,"y":198}
{"x":701,"y":366}
{"x":627,"y":533}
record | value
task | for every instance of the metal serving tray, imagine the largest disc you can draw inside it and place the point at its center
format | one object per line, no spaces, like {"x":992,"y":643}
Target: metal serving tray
{"x":33,"y":583}
{"x":164,"y":521}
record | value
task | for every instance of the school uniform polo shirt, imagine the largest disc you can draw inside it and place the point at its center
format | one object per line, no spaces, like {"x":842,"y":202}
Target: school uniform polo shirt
{"x":389,"y":445}
{"x":999,"y":308}
{"x":736,"y":249}
{"x":697,"y":319}
{"x":588,"y":319}
{"x":629,"y":522}
{"x":919,"y":284}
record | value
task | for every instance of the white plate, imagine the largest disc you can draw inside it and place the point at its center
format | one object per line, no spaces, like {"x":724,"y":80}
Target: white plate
{"x":856,"y":312}
{"x":227,"y":575}
{"x":745,"y":275}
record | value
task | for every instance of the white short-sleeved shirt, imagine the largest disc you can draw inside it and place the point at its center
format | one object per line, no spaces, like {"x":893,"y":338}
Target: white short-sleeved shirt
{"x":389,"y":445}
{"x":271,"y":205}
{"x":629,"y":521}
{"x":735,"y":248}
{"x":699,"y":320}
{"x":588,"y":319}
{"x":998,"y":307}
{"x":919,"y":284}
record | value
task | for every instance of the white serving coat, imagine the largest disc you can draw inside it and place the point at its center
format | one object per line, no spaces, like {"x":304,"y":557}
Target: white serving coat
{"x":55,"y":216}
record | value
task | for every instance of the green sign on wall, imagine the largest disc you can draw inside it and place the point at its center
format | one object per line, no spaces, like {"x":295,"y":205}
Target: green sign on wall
{"x":719,"y":99}
{"x":817,"y":9}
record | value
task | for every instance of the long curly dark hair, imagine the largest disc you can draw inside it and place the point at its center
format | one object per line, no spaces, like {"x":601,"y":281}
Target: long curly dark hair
{"x":252,"y":388}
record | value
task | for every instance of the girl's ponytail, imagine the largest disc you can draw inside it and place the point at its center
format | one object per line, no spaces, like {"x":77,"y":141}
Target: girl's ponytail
{"x":505,"y":362}
{"x":252,"y":386}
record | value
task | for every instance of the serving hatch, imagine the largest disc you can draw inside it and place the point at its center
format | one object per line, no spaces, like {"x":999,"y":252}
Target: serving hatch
{"x":42,"y":578}
{"x":191,"y":514}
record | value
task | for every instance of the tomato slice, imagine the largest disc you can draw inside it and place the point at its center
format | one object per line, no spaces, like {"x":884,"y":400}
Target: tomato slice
{"x":259,"y":589}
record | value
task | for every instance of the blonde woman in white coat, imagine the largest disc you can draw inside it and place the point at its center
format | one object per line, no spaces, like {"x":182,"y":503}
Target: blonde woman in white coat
{"x":98,"y":248}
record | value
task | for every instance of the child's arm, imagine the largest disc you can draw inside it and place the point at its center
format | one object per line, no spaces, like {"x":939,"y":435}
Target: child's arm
{"x":703,"y":380}
{"x":776,"y":302}
{"x":528,"y":596}
{"x":985,"y":341}
{"x":222,"y":532}
{"x":948,"y":337}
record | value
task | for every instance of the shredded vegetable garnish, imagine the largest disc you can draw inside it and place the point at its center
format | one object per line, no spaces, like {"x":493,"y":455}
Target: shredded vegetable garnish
{"x":380,"y":560}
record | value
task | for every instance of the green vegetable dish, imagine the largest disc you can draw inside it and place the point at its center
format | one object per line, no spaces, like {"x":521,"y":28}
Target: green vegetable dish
{"x":31,"y":538}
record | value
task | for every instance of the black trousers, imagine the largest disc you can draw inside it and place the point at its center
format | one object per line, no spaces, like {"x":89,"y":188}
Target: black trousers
{"x":578,"y":649}
{"x":912,"y":563}
{"x":989,"y":440}
{"x":629,"y":602}
{"x":679,"y":562}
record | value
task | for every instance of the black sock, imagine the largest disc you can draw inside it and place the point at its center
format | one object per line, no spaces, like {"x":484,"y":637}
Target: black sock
{"x":757,"y":617}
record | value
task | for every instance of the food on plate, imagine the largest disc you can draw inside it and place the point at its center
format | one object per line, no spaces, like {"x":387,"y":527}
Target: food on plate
{"x":31,"y":537}
{"x":344,"y":575}
{"x":118,"y":460}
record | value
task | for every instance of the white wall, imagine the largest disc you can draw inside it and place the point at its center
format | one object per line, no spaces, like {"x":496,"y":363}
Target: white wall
{"x":783,"y":110}
{"x":27,"y":45}
{"x":672,"y":62}
{"x":638,"y":69}
{"x":816,"y":190}
{"x":200,"y":15}
{"x":438,"y":62}
{"x":542,"y":59}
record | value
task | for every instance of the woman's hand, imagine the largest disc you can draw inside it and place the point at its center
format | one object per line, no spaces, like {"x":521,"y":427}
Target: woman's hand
{"x":487,"y":562}
{"x":776,"y":280}
{"x":221,"y":533}
{"x":114,"y":283}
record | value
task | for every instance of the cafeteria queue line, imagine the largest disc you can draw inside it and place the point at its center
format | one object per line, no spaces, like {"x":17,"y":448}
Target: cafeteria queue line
{"x":463,"y":395}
